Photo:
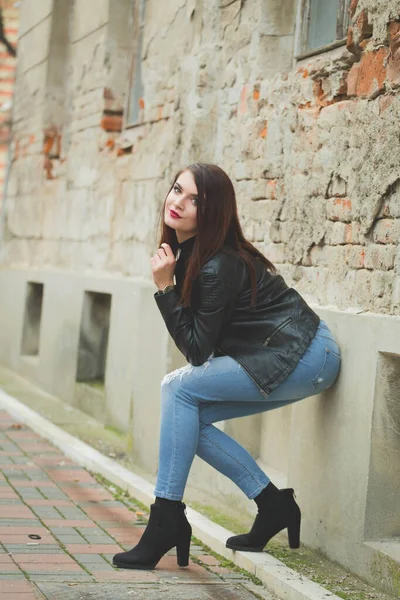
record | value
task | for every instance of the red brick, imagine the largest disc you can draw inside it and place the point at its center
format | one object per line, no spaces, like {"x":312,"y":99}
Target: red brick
{"x":45,"y":461}
{"x":352,"y":79}
{"x":380,"y":257}
{"x":126,"y":536}
{"x":393,"y":69}
{"x":43,"y":558}
{"x":355,"y":256}
{"x":8,"y":568}
{"x":110,"y":514}
{"x":352,"y":233}
{"x":387,"y":231}
{"x":4,"y":416}
{"x":86,"y":494}
{"x":14,"y":538}
{"x":70,"y":475}
{"x":385,"y":102}
{"x":353,"y":7}
{"x":36,"y":447}
{"x":350,"y":43}
{"x":111,"y":123}
{"x":394,"y":29}
{"x":7,"y":494}
{"x":43,"y":502}
{"x":207,"y":559}
{"x":22,"y":435}
{"x":367,"y":78}
{"x":363,"y":27}
{"x":31,"y":484}
{"x":16,"y":512}
{"x":22,"y":468}
{"x":339,"y":209}
{"x":15,"y":587}
{"x":68,"y":523}
{"x":18,"y":529}
{"x":51,"y":567}
{"x":23,"y":596}
{"x":93,"y":548}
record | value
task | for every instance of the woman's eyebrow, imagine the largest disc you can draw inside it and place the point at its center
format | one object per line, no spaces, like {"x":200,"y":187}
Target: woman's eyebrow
{"x":181,"y":188}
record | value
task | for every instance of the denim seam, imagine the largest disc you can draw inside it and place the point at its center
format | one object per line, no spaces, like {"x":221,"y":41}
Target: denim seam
{"x":257,"y":491}
{"x":167,"y":495}
{"x":230,"y":455}
{"x":172,"y":465}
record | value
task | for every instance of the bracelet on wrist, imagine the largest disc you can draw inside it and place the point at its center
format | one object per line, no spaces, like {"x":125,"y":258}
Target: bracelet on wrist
{"x":165,"y":290}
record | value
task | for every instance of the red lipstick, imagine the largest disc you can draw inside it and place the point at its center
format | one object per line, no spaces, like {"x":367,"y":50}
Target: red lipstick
{"x":174,"y":215}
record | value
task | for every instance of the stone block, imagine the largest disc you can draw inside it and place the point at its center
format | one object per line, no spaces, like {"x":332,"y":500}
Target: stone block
{"x":31,"y":13}
{"x":387,"y":231}
{"x":380,"y":257}
{"x":92,"y":15}
{"x":33,"y":47}
{"x":336,"y":233}
{"x":277,"y":18}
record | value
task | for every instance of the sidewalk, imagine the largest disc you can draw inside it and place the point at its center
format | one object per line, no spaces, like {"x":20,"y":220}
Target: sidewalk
{"x":59,"y":529}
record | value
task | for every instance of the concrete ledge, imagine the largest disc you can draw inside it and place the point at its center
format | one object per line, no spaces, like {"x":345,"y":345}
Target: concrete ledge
{"x":275,"y":575}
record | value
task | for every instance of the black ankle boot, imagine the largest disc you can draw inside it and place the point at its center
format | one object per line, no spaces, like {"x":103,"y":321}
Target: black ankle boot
{"x":167,"y":527}
{"x":277,"y":509}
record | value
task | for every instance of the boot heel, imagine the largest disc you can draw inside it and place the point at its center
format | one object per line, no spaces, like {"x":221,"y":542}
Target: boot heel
{"x":294,"y":531}
{"x":182,"y":552}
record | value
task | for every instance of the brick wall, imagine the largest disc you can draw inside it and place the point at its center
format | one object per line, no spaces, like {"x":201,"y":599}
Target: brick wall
{"x":7,"y":77}
{"x":312,"y":147}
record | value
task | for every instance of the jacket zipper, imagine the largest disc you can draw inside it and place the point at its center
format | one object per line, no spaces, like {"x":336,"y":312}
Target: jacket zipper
{"x":250,"y":375}
{"x":267,"y":341}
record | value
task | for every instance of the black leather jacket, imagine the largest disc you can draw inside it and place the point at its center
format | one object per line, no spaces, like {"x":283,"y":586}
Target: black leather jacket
{"x":268,"y":340}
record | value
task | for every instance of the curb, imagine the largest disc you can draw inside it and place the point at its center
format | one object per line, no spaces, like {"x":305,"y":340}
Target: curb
{"x":279,"y":579}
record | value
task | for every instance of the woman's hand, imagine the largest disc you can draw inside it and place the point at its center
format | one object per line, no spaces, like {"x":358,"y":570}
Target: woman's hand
{"x":163,"y":265}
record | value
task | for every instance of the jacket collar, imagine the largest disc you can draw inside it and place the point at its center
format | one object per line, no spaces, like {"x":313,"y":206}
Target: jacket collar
{"x":185,"y":249}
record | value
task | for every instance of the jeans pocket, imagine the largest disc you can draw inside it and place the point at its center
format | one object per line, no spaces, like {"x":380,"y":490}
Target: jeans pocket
{"x":328,"y":372}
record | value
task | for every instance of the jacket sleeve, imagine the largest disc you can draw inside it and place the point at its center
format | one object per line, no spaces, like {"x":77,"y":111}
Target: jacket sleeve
{"x":196,"y":332}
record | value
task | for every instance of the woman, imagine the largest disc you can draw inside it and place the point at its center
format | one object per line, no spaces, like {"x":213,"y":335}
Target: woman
{"x":252,"y":345}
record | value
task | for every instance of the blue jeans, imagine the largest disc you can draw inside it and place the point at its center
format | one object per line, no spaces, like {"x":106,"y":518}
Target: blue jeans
{"x":193,"y":398}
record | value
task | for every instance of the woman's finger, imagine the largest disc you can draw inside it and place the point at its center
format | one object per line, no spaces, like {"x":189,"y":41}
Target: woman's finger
{"x":168,"y":250}
{"x":161,"y":254}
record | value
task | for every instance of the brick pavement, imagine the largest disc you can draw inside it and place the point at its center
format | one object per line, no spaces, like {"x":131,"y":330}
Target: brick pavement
{"x":80,"y":526}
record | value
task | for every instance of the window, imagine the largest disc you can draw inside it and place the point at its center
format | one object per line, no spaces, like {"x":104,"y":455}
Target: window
{"x":93,"y":341}
{"x":382,"y":508}
{"x":32,"y":319}
{"x":324,"y":25}
{"x":136,"y":90}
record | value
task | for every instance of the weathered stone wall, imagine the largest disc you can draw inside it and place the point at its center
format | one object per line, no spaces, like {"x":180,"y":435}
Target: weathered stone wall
{"x":313,"y":147}
{"x":7,"y":76}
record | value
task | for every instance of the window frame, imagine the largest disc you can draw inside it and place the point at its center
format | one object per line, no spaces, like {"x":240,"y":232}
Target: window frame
{"x":138,"y":21}
{"x":342,"y":24}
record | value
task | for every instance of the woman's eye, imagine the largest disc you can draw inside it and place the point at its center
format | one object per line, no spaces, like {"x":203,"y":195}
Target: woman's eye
{"x":195,"y":201}
{"x":176,"y":189}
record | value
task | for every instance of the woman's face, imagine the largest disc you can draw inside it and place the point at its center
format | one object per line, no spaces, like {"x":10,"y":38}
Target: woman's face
{"x":180,"y":211}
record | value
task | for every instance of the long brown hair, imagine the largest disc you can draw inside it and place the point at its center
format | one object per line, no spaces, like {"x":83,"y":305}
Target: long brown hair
{"x":217,"y":226}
